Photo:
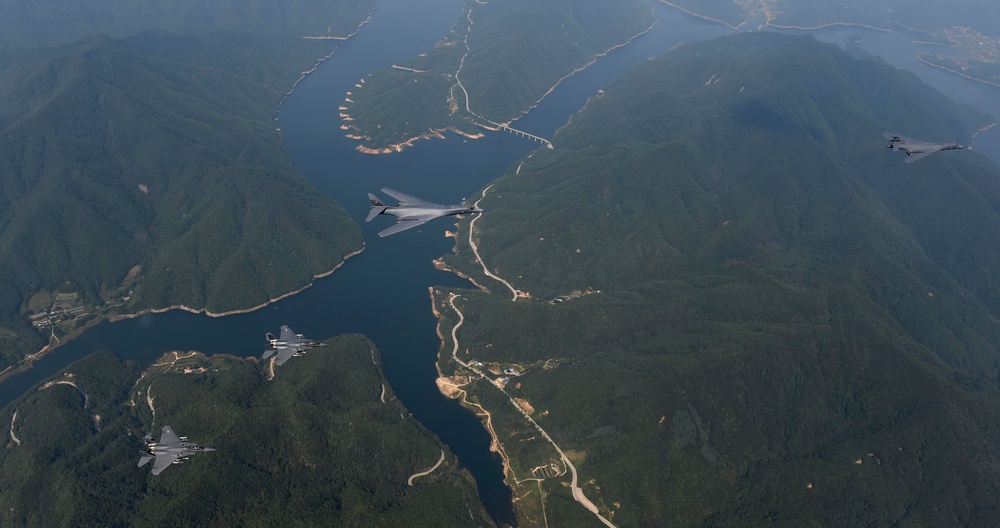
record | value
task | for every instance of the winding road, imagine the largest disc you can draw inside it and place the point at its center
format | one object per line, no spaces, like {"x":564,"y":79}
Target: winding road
{"x":12,"y":435}
{"x":440,"y":461}
{"x":479,"y":259}
{"x":578,"y":494}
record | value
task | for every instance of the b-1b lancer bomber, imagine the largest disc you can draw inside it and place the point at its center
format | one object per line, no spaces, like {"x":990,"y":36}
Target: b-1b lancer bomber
{"x":916,"y":149}
{"x":171,"y":449}
{"x":288,"y":345}
{"x":412,"y":211}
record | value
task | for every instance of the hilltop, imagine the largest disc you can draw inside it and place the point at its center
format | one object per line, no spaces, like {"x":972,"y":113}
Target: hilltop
{"x":148,"y":173}
{"x":325,"y":443}
{"x":738,"y":307}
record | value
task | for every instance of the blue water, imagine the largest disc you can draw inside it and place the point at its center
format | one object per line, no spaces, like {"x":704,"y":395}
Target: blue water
{"x":383,"y":293}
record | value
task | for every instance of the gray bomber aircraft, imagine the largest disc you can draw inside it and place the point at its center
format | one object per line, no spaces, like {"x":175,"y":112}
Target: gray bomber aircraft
{"x":171,"y":449}
{"x":916,"y":149}
{"x":412,"y":211}
{"x":288,"y":345}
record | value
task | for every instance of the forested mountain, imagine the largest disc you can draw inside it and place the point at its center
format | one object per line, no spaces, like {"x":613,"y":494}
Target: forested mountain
{"x":744,"y":309}
{"x":325,"y":443}
{"x":48,"y":22}
{"x":499,"y":61}
{"x":156,"y":154}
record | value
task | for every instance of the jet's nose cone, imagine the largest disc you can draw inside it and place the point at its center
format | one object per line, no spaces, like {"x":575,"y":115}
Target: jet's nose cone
{"x":475,"y":210}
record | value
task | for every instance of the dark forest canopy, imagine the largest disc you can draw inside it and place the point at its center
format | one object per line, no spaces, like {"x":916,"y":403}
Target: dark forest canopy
{"x":780,"y":321}
{"x":156,"y":154}
{"x":322,"y":444}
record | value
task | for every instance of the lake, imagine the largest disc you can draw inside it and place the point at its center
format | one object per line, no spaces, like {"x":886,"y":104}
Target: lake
{"x":383,"y":292}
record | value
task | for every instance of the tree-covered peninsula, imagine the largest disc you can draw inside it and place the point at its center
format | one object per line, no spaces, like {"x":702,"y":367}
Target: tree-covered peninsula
{"x":147,"y":173}
{"x":500,"y":59}
{"x":319,"y":441}
{"x":735,"y":306}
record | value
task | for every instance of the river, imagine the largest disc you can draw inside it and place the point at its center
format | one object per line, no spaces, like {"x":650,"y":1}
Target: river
{"x":383,"y":292}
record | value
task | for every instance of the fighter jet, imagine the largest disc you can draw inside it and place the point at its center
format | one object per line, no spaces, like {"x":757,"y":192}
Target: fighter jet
{"x":171,"y":449}
{"x":916,"y":149}
{"x":412,"y":211}
{"x":288,"y":345}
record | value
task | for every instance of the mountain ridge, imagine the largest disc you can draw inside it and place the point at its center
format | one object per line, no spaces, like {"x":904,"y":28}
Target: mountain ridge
{"x":744,"y":309}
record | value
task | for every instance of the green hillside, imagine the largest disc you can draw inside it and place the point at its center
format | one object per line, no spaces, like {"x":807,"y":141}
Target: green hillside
{"x":506,"y":55}
{"x":744,"y":309}
{"x":157,"y":155}
{"x":47,"y":22}
{"x":323,"y":444}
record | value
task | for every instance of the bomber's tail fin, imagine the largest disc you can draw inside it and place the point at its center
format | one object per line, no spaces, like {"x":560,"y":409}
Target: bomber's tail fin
{"x":377,"y":207}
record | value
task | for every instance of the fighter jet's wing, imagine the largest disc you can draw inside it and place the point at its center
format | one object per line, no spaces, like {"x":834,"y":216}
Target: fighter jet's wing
{"x":163,"y":462}
{"x":168,"y":436}
{"x":404,"y":199}
{"x":284,"y":354}
{"x":287,"y":335}
{"x":402,"y":225}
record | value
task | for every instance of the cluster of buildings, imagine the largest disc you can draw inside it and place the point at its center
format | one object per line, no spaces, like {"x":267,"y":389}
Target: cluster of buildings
{"x":66,"y":307}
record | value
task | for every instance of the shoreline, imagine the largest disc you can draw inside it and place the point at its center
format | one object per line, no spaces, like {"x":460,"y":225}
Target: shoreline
{"x":704,"y":17}
{"x":321,"y":60}
{"x":25,"y":364}
{"x":460,"y":394}
{"x":955,"y":72}
{"x":240,"y":311}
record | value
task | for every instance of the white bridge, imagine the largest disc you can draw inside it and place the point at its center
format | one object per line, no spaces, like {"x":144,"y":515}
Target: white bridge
{"x":524,"y":134}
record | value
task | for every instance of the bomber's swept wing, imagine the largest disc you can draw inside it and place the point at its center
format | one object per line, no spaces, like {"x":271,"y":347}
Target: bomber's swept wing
{"x":896,"y":138}
{"x":914,"y":155}
{"x":915,"y":148}
{"x":412,"y":211}
{"x":401,"y":225}
{"x":405,"y":199}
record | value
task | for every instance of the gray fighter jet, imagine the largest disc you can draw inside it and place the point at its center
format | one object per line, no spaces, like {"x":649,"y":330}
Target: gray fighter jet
{"x":171,"y":449}
{"x":916,"y":149}
{"x":412,"y":211}
{"x":288,"y":345}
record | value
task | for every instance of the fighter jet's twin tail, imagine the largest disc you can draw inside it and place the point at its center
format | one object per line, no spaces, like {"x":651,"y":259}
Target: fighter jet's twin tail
{"x":412,"y":211}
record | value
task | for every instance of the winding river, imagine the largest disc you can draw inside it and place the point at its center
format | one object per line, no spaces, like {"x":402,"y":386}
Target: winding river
{"x":383,"y":292}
